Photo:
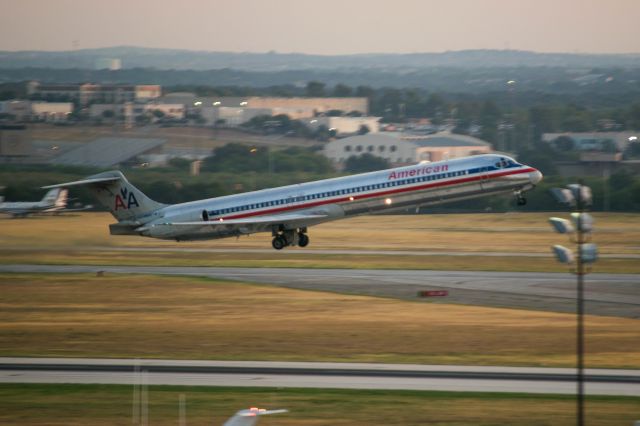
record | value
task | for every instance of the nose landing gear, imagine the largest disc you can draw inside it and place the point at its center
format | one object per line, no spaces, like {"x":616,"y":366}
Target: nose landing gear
{"x":520,"y":199}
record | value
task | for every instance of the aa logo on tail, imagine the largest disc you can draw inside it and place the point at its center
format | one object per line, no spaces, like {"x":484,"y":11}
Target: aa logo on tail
{"x":125,"y":200}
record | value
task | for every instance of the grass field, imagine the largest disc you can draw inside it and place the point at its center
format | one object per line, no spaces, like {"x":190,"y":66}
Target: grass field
{"x":74,"y":238}
{"x":196,"y":318}
{"x":112,"y":405}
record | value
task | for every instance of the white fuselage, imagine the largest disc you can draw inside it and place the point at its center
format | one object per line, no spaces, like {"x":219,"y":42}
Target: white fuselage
{"x":24,"y":208}
{"x":400,"y":188}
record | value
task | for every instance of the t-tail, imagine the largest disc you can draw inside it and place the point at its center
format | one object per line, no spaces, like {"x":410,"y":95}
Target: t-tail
{"x":51,"y":197}
{"x":125,"y":202}
{"x":61,"y":201}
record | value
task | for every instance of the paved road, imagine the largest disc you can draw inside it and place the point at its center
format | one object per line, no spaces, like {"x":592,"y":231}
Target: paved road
{"x":606,"y":294}
{"x":317,"y":375}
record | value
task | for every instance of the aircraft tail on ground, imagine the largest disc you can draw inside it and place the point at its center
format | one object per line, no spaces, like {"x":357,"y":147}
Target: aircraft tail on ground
{"x":52,"y":196}
{"x":250,"y":417}
{"x":113,"y":190}
{"x":61,"y":201}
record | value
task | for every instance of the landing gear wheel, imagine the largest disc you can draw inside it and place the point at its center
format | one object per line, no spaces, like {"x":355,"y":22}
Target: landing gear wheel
{"x":521,"y":201}
{"x":303,"y":240}
{"x":279,"y":243}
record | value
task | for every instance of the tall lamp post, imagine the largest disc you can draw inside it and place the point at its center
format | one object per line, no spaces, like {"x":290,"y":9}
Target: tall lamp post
{"x":579,"y":228}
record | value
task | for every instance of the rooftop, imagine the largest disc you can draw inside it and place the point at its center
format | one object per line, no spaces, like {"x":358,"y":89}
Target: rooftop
{"x":107,"y":152}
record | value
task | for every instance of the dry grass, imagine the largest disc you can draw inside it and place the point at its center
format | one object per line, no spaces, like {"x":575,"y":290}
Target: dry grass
{"x":296,"y":259}
{"x":74,"y":238}
{"x":189,"y":318}
{"x":111,"y":405}
{"x":615,"y":233}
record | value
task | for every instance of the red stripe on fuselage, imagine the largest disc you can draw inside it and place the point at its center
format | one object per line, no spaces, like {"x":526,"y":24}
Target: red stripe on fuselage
{"x":376,"y":194}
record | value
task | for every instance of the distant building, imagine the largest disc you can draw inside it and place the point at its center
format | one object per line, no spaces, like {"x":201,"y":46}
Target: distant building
{"x":595,"y":141}
{"x":398,"y":149}
{"x":111,"y":64}
{"x":87,"y":93}
{"x":295,"y":108}
{"x":442,"y":146}
{"x":173,"y":111}
{"x":126,"y":110}
{"x":51,"y":111}
{"x":231,"y":116}
{"x":345,"y":125}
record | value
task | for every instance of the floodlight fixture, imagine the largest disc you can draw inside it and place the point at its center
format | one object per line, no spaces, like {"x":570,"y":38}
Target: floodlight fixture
{"x":563,"y":254}
{"x":582,"y":221}
{"x":562,"y":226}
{"x":563,"y":196}
{"x":589,"y":253}
{"x":581,"y":193}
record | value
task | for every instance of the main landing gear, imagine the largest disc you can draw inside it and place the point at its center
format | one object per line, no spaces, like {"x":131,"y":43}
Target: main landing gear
{"x":520,"y":199}
{"x":290,"y":237}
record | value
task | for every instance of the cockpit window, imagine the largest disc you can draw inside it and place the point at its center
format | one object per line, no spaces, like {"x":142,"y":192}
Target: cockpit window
{"x":502,"y":163}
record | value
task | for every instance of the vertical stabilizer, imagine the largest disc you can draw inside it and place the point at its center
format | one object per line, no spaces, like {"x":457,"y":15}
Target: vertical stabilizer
{"x":61,"y":201}
{"x":50,"y":197}
{"x":113,"y":190}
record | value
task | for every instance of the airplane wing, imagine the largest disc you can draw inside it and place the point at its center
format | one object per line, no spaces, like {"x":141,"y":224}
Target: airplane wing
{"x":246,"y":225}
{"x":250,"y":417}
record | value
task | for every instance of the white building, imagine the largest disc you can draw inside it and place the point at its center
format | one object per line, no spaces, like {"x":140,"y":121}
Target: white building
{"x":232,"y":116}
{"x":594,"y":141}
{"x":345,"y":125}
{"x":295,"y":108}
{"x":172,"y":111}
{"x":398,"y":149}
{"x":51,"y":111}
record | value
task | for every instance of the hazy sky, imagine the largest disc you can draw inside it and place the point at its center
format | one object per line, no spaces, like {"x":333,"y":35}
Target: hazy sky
{"x":323,"y":26}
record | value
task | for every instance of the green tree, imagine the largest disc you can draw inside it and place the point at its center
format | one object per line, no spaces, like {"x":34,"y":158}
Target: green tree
{"x":365,"y":92}
{"x":342,"y":91}
{"x":436,"y":107}
{"x":564,"y":143}
{"x":633,"y":117}
{"x":315,"y":89}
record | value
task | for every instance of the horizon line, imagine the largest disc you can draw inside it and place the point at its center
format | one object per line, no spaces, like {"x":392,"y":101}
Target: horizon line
{"x":276,"y":52}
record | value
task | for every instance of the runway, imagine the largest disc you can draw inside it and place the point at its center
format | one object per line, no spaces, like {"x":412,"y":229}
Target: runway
{"x":606,"y":294}
{"x":317,"y":375}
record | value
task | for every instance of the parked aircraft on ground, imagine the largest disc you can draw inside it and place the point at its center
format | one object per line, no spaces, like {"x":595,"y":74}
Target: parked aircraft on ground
{"x":250,"y":416}
{"x":288,"y":211}
{"x":54,"y":201}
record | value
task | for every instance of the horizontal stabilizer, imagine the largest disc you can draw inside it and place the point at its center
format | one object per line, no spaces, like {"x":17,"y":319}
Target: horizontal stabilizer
{"x":84,"y":182}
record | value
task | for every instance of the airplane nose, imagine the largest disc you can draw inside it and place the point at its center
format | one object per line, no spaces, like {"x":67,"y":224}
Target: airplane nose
{"x":535,"y":177}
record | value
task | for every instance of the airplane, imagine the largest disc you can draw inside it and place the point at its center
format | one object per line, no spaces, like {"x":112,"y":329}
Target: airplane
{"x":54,"y":201}
{"x":249,"y":417}
{"x":288,"y":211}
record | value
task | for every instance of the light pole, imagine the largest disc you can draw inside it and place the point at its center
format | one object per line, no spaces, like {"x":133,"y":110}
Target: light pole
{"x":578,"y":197}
